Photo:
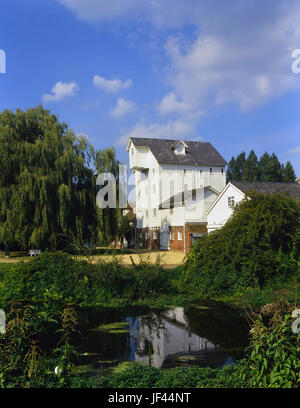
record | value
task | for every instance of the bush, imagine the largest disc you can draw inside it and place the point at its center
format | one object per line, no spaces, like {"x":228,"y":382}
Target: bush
{"x":272,"y":359}
{"x":59,"y":276}
{"x":136,"y":375}
{"x":255,"y":247}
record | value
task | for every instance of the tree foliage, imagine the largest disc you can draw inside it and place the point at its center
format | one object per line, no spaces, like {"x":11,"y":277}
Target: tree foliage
{"x":267,"y":168}
{"x":47,"y":190}
{"x":259,"y":244}
{"x":108,"y":218}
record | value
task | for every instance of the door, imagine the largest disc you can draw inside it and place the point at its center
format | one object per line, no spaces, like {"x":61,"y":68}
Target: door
{"x":164,"y":240}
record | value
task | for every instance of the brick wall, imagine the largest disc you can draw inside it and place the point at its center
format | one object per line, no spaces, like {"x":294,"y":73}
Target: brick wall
{"x":177,"y":244}
{"x":190,"y":229}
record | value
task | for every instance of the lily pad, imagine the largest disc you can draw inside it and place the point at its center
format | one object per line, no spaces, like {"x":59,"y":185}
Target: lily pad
{"x":113,"y":328}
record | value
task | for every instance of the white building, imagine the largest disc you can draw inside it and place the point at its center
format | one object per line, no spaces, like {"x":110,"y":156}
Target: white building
{"x":172,"y":337}
{"x":235,"y":191}
{"x":176,"y":182}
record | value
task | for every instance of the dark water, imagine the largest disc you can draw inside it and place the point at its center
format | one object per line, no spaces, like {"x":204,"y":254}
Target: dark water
{"x":209,"y":334}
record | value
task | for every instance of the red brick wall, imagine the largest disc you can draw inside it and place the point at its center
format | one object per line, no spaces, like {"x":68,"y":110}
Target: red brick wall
{"x":189,"y":230}
{"x":177,"y":245}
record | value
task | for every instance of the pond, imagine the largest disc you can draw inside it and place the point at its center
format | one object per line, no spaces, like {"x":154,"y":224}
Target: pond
{"x":208,"y":334}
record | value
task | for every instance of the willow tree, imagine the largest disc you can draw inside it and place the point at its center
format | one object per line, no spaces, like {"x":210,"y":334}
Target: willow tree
{"x":47,"y":190}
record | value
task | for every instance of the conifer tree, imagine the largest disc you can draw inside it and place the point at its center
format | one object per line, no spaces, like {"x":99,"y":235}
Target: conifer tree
{"x":270,"y":168}
{"x":250,"y":170}
{"x":288,"y":173}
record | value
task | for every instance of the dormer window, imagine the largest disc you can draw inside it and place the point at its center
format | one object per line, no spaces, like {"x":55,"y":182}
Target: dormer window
{"x":180,"y":147}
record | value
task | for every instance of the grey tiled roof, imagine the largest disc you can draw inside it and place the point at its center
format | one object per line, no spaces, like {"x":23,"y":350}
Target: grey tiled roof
{"x":291,"y":189}
{"x":201,"y":153}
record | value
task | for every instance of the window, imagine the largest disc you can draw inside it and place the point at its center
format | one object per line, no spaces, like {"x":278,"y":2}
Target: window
{"x":139,"y":194}
{"x":210,"y":170}
{"x":154,"y":235}
{"x":132,"y":152}
{"x":200,"y":171}
{"x":179,"y":236}
{"x":230,"y":202}
{"x":154,"y":212}
{"x":184,"y":171}
{"x":222,"y":171}
{"x":146,"y":235}
{"x":172,"y":235}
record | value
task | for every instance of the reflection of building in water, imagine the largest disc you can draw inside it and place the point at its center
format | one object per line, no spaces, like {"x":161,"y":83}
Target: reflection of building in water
{"x":169,"y":336}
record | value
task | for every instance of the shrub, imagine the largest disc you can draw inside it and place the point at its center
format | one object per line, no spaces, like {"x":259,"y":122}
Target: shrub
{"x":254,"y":248}
{"x":59,"y":276}
{"x":272,"y":359}
{"x":136,"y":375}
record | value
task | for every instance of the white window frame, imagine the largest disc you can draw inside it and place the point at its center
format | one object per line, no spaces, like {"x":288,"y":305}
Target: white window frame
{"x":179,"y":235}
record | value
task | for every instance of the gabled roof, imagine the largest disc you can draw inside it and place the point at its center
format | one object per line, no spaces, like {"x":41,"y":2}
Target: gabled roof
{"x":266,"y":187}
{"x":201,"y":153}
{"x":291,"y":189}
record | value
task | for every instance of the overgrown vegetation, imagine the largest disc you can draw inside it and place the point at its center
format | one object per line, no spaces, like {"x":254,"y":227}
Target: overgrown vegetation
{"x":59,"y":276}
{"x":27,"y":359}
{"x":258,"y":246}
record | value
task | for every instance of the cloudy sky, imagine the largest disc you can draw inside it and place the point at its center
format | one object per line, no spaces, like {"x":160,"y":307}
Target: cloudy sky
{"x":211,"y":70}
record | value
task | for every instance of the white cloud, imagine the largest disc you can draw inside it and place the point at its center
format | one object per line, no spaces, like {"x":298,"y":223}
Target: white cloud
{"x":241,"y":54}
{"x":60,"y":91}
{"x":170,"y":104}
{"x":123,"y":107}
{"x":111,"y":85}
{"x":295,"y":150}
{"x":159,"y":12}
{"x":215,"y":70}
{"x":173,"y":129}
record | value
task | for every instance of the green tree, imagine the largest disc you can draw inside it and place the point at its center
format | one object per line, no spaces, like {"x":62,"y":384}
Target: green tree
{"x":235,"y":167}
{"x":47,"y":190}
{"x":250,"y":169}
{"x":269,"y":168}
{"x":108,"y":218}
{"x":288,"y":173}
{"x":125,"y":230}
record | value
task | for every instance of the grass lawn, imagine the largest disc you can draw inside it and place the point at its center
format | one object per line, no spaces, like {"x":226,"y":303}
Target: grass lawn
{"x":169,"y":259}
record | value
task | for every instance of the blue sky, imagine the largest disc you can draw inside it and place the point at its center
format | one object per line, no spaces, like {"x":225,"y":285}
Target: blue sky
{"x":212,"y":70}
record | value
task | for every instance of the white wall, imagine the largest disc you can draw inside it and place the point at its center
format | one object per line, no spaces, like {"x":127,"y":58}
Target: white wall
{"x":152,"y":184}
{"x":218,"y":215}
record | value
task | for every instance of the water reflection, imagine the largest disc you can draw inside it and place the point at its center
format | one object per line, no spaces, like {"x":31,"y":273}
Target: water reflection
{"x":207,"y":335}
{"x":155,"y":339}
